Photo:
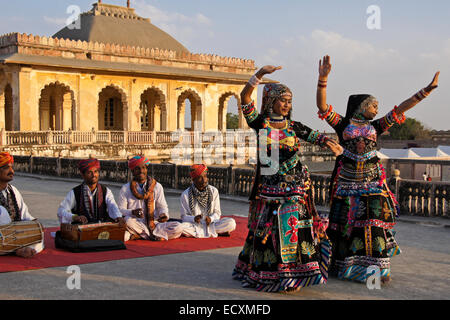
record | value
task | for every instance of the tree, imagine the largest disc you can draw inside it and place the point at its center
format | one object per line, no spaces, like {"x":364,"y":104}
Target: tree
{"x":232,"y":121}
{"x":411,"y":129}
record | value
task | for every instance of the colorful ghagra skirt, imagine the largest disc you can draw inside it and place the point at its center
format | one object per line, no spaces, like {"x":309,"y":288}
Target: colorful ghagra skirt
{"x":283,"y":250}
{"x":361,"y":222}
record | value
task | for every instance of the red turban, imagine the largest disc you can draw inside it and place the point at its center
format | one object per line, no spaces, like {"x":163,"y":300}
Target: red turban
{"x":197,"y":170}
{"x":137,"y":161}
{"x":5,"y":159}
{"x":85,"y":165}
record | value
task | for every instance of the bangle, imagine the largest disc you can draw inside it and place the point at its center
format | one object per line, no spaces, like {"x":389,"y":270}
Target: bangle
{"x":322,"y":83}
{"x":325,"y":114}
{"x":396,"y":119}
{"x":422,"y":94}
{"x":254,"y":81}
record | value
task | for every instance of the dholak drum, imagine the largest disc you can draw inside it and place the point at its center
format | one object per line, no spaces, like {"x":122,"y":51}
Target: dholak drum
{"x":20,"y":234}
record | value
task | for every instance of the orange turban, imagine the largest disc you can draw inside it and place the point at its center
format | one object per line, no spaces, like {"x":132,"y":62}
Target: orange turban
{"x":85,"y":165}
{"x":197,"y":170}
{"x":137,"y":161}
{"x":5,"y":159}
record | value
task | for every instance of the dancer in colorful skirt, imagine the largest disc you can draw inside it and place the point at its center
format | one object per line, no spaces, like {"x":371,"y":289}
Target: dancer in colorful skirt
{"x":286,"y":248}
{"x":363,"y":209}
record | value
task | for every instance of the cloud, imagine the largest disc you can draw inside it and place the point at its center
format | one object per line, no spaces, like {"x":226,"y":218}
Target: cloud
{"x":182,"y":27}
{"x":359,"y":66}
{"x":344,"y":50}
{"x":59,"y":22}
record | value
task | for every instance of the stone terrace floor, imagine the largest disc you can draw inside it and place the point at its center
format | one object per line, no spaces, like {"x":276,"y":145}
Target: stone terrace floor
{"x":422,"y":271}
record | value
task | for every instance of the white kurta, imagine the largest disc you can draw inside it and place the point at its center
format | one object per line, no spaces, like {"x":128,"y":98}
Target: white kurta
{"x":24,"y":215}
{"x":127,"y":202}
{"x":201,"y":230}
{"x":65,"y":214}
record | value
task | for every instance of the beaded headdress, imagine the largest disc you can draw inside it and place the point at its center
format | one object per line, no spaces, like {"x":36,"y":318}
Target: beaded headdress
{"x":272,"y":92}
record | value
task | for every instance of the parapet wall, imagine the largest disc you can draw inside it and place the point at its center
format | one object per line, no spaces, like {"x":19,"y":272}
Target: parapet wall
{"x":82,"y":50}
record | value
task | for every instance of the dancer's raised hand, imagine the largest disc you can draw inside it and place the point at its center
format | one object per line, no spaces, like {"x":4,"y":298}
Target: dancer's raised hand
{"x":324,"y":67}
{"x":434,"y":83}
{"x":254,"y":81}
{"x":267,"y":70}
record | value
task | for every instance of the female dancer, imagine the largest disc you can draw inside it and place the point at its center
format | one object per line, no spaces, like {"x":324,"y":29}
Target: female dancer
{"x":282,"y":251}
{"x":363,"y":209}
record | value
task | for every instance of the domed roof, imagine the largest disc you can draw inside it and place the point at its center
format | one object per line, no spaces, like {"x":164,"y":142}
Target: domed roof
{"x":106,"y":23}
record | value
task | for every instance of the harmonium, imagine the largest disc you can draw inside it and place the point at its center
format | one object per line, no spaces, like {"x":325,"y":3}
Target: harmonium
{"x":94,"y":231}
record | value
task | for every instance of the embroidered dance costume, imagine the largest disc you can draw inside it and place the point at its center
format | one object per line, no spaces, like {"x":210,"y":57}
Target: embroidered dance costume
{"x":363,"y":209}
{"x":282,"y":249}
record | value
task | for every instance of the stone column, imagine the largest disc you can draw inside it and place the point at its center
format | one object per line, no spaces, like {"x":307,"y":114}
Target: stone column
{"x":181,"y":115}
{"x":156,"y":118}
{"x":134,"y":108}
{"x":2,"y":109}
{"x":25,"y":102}
{"x":44,"y":114}
{"x":88,"y":104}
{"x":2,"y":137}
{"x":172,"y":107}
{"x":67,"y":111}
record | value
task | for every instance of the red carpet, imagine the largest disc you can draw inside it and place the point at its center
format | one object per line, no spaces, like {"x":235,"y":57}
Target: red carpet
{"x":52,"y":257}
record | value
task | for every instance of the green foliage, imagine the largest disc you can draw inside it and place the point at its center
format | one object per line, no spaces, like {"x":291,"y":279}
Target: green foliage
{"x":411,"y":129}
{"x":232,"y":121}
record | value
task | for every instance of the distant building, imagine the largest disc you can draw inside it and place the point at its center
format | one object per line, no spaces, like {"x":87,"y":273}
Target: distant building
{"x":441,"y":136}
{"x":116,"y":72}
{"x":115,"y":86}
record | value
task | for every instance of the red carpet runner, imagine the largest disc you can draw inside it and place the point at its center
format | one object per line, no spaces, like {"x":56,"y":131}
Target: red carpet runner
{"x":52,"y":257}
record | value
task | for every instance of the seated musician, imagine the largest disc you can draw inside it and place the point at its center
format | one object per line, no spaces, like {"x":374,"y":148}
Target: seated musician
{"x":200,"y":208}
{"x":144,"y":206}
{"x":12,"y":206}
{"x":90,"y":202}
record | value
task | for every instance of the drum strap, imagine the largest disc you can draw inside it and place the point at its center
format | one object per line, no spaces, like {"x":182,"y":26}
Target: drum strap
{"x":10,"y":204}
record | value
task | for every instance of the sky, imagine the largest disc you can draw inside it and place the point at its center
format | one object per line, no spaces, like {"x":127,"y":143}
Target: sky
{"x":391,"y":52}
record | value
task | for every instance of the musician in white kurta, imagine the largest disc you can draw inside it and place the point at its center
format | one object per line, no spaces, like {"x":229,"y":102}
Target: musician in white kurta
{"x":65,"y":210}
{"x":90,"y":202}
{"x":136,"y":212}
{"x":12,"y":206}
{"x":200,"y":208}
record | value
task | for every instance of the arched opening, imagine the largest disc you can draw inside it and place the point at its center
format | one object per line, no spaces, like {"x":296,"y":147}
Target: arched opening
{"x":189,"y":110}
{"x":9,"y":122}
{"x":56,"y":107}
{"x":111,"y":109}
{"x":153,"y":110}
{"x":229,"y":115}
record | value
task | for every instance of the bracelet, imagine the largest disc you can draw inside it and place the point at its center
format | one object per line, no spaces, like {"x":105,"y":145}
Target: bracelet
{"x":254,"y":81}
{"x":396,"y":119}
{"x":325,"y":115}
{"x":322,"y":83}
{"x":422,"y":94}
